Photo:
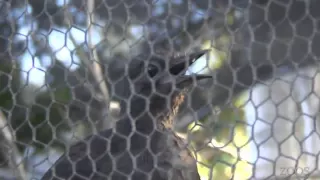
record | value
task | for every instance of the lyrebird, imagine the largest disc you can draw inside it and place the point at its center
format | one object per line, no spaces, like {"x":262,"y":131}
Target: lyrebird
{"x":142,"y":145}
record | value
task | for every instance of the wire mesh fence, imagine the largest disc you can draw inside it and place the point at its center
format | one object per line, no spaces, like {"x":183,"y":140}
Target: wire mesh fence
{"x":159,"y":89}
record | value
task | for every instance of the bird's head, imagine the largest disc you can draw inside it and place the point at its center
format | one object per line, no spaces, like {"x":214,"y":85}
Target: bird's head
{"x":153,"y":83}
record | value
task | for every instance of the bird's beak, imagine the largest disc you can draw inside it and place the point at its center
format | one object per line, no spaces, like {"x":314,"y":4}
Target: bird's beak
{"x":179,"y":65}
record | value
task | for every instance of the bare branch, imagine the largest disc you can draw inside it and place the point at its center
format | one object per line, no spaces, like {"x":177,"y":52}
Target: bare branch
{"x":11,"y":149}
{"x":95,"y":66}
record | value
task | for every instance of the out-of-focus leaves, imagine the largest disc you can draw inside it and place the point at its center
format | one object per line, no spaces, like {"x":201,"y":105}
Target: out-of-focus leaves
{"x":218,"y":143}
{"x":213,"y":166}
{"x":41,"y":123}
{"x":222,"y":166}
{"x":229,"y":120}
{"x":34,"y":124}
{"x":224,"y":123}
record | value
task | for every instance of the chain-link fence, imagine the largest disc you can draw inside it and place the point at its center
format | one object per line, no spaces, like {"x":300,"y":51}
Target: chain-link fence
{"x":159,"y":89}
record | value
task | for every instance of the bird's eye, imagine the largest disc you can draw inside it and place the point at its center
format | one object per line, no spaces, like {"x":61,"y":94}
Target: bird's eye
{"x":153,"y":70}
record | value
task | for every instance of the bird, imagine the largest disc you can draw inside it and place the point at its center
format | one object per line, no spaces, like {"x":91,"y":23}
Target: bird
{"x":142,"y":145}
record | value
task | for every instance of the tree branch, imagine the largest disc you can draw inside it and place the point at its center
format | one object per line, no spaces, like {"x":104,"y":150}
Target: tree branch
{"x":11,"y":149}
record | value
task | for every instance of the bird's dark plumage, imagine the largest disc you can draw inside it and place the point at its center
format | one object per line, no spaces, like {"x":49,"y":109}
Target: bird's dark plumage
{"x":142,"y":144}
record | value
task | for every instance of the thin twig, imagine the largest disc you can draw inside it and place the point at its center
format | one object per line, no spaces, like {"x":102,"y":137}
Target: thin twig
{"x":12,"y":151}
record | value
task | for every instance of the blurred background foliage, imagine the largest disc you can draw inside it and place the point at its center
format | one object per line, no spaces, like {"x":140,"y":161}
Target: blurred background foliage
{"x":52,"y":37}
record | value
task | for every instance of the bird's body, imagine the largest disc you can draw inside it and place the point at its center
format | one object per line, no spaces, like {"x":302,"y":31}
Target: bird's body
{"x":142,"y":145}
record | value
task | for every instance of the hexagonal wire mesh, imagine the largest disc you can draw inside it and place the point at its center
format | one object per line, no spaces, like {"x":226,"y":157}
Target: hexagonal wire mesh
{"x":105,"y":89}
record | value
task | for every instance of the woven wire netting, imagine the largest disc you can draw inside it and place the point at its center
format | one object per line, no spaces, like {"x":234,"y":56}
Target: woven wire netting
{"x":64,"y":76}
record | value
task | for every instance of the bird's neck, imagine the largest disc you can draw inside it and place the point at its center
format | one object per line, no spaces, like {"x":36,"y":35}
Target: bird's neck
{"x":159,"y":114}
